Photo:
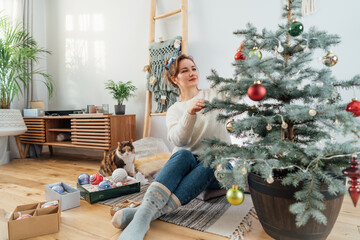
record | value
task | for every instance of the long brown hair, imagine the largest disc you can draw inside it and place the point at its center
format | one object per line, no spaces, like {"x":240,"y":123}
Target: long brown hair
{"x":174,"y":69}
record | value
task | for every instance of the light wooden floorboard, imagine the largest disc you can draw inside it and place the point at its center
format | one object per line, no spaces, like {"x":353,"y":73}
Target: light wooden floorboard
{"x":23,"y":181}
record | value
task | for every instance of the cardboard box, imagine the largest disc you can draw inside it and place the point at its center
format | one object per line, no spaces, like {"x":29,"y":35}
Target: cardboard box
{"x":69,"y":199}
{"x":43,"y":221}
{"x":132,"y":186}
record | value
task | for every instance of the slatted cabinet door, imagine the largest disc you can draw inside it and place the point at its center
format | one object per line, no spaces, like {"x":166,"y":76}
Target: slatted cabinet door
{"x":36,"y":131}
{"x":91,"y":132}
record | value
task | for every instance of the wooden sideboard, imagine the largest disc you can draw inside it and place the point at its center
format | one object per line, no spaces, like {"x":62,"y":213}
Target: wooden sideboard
{"x":101,"y":132}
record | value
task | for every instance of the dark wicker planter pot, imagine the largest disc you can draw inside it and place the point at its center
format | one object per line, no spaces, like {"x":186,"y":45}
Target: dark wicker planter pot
{"x":272,"y":201}
{"x":119,"y":109}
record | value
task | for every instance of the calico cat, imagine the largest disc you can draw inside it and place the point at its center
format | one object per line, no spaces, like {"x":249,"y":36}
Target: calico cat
{"x":121,"y":157}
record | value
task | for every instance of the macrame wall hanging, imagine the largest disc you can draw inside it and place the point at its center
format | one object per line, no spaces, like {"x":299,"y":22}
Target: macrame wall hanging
{"x":308,"y":7}
{"x":164,"y":95}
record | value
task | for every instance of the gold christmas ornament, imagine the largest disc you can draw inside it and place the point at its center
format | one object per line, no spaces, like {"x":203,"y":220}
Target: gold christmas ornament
{"x":268,"y":127}
{"x":312,"y":112}
{"x":270,"y":179}
{"x":229,"y":125}
{"x":284,"y":125}
{"x":234,"y":195}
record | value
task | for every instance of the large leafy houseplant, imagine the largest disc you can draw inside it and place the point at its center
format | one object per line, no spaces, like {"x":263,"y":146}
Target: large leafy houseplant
{"x":120,"y":91}
{"x":17,"y":50}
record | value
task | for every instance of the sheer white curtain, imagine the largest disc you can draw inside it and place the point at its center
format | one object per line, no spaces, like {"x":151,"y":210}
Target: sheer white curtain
{"x":21,"y":11}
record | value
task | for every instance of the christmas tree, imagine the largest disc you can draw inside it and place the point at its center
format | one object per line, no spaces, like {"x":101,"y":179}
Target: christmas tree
{"x":291,"y":132}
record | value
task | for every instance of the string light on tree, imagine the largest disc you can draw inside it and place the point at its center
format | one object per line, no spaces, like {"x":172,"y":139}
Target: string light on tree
{"x":270,"y":179}
{"x":268,"y":127}
{"x":256,"y":92}
{"x":234,"y":196}
{"x":284,"y":125}
{"x":296,"y":28}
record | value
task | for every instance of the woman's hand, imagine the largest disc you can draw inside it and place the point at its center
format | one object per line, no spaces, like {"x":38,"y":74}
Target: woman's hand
{"x":196,"y":105}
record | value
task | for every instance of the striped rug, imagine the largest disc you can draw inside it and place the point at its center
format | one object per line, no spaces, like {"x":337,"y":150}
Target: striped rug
{"x":215,"y":215}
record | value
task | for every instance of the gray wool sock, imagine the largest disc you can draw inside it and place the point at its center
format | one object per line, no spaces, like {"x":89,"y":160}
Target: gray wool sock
{"x":123,"y":217}
{"x":154,"y":200}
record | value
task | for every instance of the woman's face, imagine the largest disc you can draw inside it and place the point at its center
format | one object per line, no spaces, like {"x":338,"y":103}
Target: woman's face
{"x":188,"y":75}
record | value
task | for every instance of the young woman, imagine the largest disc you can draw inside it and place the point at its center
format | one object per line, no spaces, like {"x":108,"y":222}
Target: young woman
{"x":183,"y":177}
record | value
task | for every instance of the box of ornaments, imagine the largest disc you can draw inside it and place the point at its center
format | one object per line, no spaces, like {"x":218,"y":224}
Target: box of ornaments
{"x":97,"y":188}
{"x":31,"y":220}
{"x":68,"y":196}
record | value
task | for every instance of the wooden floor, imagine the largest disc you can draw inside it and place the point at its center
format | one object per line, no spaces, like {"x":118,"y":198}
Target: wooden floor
{"x":22,"y":181}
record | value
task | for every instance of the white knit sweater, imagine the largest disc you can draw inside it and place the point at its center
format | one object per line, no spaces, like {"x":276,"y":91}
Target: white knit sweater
{"x":186,"y":131}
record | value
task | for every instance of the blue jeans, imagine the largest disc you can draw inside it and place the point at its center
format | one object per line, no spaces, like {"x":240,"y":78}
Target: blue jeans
{"x":185,"y":177}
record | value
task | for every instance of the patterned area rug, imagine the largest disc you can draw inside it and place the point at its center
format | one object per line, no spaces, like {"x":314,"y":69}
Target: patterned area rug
{"x":215,"y":215}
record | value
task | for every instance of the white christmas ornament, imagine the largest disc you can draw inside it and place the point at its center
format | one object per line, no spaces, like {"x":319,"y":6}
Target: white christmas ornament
{"x":119,"y":175}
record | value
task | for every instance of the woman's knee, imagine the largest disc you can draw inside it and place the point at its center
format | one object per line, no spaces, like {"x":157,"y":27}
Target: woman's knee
{"x":184,"y":156}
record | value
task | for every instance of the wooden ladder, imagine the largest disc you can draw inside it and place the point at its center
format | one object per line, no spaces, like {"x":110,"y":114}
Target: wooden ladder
{"x":184,"y":49}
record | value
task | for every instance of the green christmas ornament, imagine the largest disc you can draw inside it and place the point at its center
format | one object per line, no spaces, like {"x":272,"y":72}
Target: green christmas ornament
{"x":296,"y":28}
{"x":255,"y":52}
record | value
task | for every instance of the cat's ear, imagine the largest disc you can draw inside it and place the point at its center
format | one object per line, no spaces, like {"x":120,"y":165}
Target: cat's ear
{"x":131,"y":141}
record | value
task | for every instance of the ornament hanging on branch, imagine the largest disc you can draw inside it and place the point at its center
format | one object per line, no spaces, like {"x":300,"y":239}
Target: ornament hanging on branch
{"x":296,"y":28}
{"x":239,"y":55}
{"x":255,"y":52}
{"x":234,"y":195}
{"x":256,"y":92}
{"x":229,"y":125}
{"x":354,"y":107}
{"x":353,"y":172}
{"x":330,"y":59}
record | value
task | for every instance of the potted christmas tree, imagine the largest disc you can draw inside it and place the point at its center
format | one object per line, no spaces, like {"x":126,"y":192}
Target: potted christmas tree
{"x":120,"y":91}
{"x":294,"y":164}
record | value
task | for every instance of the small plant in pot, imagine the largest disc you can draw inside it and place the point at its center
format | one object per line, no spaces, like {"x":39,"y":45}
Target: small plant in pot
{"x":120,"y":91}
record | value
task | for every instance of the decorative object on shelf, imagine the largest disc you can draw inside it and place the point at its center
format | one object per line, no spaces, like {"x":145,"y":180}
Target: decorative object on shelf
{"x":256,"y":92}
{"x":255,"y":52}
{"x":330,"y":59}
{"x":58,"y":188}
{"x":18,"y":50}
{"x":11,"y":124}
{"x":234,"y":195}
{"x":229,"y":125}
{"x":95,"y":179}
{"x":353,"y":172}
{"x":295,"y":28}
{"x":120,"y":91}
{"x":354,"y":107}
{"x":105,"y":108}
{"x":83,"y":179}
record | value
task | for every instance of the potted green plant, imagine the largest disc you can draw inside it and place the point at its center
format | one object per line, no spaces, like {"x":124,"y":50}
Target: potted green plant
{"x":120,"y":91}
{"x":17,"y":50}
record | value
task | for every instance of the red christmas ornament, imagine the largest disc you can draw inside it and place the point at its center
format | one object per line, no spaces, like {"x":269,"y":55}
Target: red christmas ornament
{"x":256,"y":91}
{"x":354,"y":107}
{"x":239,"y":55}
{"x":95,"y":179}
{"x":353,"y":172}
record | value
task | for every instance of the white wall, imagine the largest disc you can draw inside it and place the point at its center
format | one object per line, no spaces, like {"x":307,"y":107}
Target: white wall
{"x":93,"y":41}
